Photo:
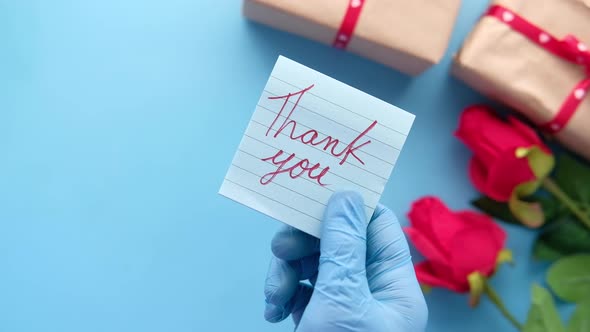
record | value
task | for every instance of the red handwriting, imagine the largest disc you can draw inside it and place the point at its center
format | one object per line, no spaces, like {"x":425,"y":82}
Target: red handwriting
{"x":311,"y":137}
{"x":294,"y":171}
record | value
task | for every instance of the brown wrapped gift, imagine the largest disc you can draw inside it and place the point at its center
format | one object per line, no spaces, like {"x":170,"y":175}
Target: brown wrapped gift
{"x":408,"y":35}
{"x":505,"y":65}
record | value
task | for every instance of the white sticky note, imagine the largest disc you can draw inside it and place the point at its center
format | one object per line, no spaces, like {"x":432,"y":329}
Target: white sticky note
{"x":309,"y":137}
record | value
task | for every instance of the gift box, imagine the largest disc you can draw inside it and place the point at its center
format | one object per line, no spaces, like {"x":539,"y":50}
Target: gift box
{"x":533,"y":56}
{"x":408,"y":35}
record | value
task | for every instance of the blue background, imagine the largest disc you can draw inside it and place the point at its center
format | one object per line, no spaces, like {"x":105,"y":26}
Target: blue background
{"x":118,"y":120}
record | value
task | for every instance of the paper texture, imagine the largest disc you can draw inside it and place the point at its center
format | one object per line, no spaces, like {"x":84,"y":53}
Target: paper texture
{"x":310,"y":136}
{"x":505,"y":65}
{"x":406,"y":35}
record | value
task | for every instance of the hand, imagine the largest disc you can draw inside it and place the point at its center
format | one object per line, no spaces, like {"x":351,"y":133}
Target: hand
{"x":361,"y":274}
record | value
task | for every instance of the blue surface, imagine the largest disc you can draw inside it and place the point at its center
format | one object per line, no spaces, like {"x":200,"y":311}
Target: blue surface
{"x":118,"y":120}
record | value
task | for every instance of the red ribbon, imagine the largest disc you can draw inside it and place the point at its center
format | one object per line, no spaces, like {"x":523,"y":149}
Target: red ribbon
{"x":569,"y":48}
{"x":351,"y":18}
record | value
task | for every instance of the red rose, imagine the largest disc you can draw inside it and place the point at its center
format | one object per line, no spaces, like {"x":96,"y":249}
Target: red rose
{"x":456,"y":245}
{"x":510,"y":159}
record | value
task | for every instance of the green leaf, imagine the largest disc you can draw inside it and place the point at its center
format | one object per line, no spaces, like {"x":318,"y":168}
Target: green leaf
{"x":574,"y":178}
{"x":545,"y":252}
{"x":543,"y":316}
{"x":504,"y":256}
{"x":580,"y":321}
{"x":569,"y":278}
{"x":497,"y":210}
{"x":542,"y":163}
{"x":552,"y":208}
{"x":561,"y":238}
{"x":477,"y":283}
{"x":530,"y":214}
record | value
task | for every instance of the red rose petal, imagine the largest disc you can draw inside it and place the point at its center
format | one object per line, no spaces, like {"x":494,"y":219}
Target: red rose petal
{"x":421,"y":218}
{"x":426,"y":275}
{"x":501,"y":135}
{"x":445,"y":225}
{"x":425,"y":246}
{"x":484,"y":221}
{"x":478,"y":174}
{"x":473,"y":250}
{"x":455,"y":244}
{"x":488,"y":135}
{"x":475,"y":121}
{"x":506,"y":174}
{"x":527,"y":132}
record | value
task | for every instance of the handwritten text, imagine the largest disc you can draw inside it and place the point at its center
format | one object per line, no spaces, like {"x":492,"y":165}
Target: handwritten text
{"x":289,"y":164}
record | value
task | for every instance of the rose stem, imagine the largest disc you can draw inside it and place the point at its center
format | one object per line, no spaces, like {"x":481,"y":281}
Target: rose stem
{"x":554,"y":189}
{"x":495,"y":298}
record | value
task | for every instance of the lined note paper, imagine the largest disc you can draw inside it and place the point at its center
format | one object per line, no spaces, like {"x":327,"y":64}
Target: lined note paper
{"x":309,"y":137}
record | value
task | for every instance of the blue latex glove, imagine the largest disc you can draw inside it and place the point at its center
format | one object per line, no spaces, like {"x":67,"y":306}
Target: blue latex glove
{"x":362,"y":275}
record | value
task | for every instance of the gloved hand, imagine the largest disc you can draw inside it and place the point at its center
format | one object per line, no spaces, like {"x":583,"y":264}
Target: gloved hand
{"x":362,"y":275}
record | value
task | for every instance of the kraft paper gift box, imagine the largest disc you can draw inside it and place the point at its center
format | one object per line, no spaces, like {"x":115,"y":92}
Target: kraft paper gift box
{"x":502,"y":62}
{"x":408,"y":35}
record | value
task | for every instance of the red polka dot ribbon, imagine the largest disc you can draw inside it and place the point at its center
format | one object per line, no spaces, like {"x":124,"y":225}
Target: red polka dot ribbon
{"x":568,"y":48}
{"x":351,"y":18}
